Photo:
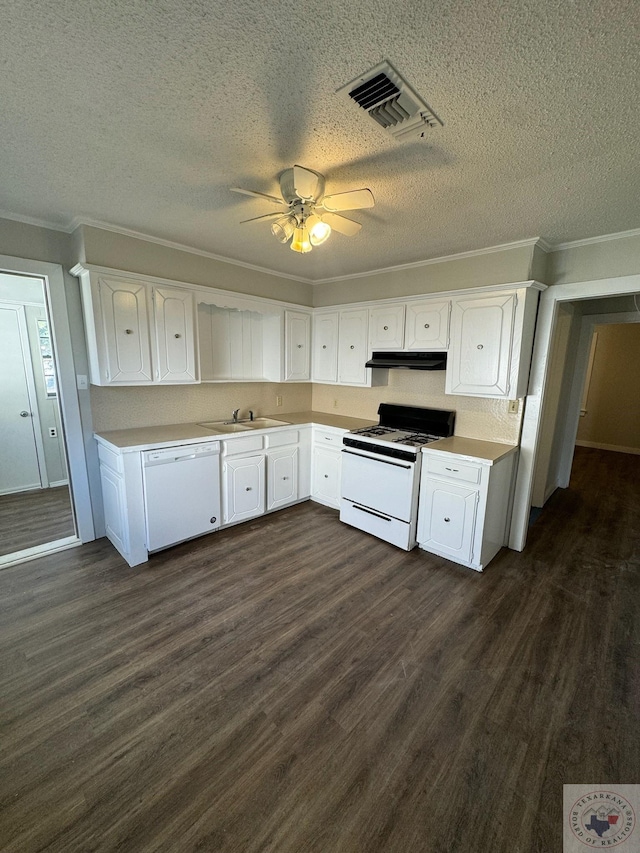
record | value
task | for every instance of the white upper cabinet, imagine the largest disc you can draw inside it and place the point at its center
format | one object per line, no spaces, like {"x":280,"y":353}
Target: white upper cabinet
{"x":352,"y":347}
{"x":427,"y":325}
{"x":174,"y":335}
{"x":491,"y":343}
{"x":297,"y":337}
{"x":386,"y":327}
{"x":325,"y":347}
{"x":122,"y":329}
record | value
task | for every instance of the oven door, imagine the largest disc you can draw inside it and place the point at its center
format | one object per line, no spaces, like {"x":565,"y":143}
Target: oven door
{"x":388,"y":486}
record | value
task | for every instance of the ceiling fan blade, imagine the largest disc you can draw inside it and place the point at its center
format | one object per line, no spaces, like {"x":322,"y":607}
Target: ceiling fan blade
{"x":277,"y":215}
{"x":256,"y":194}
{"x":352,"y":200}
{"x":341,"y":224}
{"x":305,"y":183}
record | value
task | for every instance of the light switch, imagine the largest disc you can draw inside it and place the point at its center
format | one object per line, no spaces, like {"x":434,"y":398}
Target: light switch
{"x":82,"y":382}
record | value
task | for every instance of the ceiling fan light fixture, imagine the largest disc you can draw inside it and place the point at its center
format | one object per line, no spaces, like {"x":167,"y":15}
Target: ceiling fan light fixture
{"x":319,"y":231}
{"x":300,"y":241}
{"x":283,"y":228}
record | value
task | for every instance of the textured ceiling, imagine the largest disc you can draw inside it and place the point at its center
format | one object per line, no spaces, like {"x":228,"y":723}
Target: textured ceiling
{"x":143,"y":113}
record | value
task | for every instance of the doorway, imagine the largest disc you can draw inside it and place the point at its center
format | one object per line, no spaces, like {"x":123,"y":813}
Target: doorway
{"x":45,"y":497}
{"x":35,"y":501}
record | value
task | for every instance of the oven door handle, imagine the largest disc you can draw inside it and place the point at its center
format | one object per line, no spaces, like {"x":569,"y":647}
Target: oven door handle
{"x":371,"y":512}
{"x":379,"y":459}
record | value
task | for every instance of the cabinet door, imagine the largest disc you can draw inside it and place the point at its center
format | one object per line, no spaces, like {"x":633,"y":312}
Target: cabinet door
{"x":480,"y":353}
{"x":446,"y":519}
{"x":175,"y":335}
{"x":386,"y":327}
{"x":325,"y":347}
{"x":427,"y":325}
{"x":326,"y":476}
{"x":244,"y":488}
{"x":126,"y":331}
{"x":115,"y":508}
{"x":352,"y":347}
{"x":297,"y":346}
{"x":282,"y":477}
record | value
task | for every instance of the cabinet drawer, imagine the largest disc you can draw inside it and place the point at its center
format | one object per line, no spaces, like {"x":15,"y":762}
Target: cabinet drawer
{"x":110,"y":460}
{"x":328,"y":439}
{"x":246,"y":444}
{"x":282,"y":437}
{"x":454,"y":470}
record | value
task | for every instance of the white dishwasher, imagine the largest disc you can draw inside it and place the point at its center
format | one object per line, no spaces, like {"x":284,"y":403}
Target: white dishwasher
{"x":181,"y":493}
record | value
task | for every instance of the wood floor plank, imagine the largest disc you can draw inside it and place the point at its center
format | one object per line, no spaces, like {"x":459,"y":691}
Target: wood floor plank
{"x":292,"y":684}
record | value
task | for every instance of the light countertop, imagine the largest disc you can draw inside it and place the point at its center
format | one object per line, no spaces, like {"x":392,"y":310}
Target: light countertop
{"x":167,"y":435}
{"x":472,"y":448}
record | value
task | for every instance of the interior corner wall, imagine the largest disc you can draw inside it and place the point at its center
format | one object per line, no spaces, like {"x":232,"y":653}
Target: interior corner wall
{"x":146,"y":257}
{"x":19,"y":240}
{"x":502,"y":266}
{"x":614,"y":387}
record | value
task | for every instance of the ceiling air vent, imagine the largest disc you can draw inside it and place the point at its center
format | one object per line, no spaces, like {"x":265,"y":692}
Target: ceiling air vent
{"x":392,"y":102}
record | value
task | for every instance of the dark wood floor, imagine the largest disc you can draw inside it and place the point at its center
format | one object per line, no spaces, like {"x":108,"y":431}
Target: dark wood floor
{"x":33,"y":518}
{"x":295,"y":686}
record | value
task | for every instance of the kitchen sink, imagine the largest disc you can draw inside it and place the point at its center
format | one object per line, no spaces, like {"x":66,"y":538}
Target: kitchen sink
{"x":243,"y":426}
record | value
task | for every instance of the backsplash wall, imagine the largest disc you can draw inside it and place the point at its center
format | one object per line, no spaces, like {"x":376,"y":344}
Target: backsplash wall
{"x":476,"y":417}
{"x":122,"y":408}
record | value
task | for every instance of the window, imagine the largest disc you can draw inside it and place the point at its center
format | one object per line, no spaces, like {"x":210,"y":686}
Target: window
{"x":46,"y":353}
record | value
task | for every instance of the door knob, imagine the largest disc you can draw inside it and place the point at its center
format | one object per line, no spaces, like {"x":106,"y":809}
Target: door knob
{"x":24,"y":414}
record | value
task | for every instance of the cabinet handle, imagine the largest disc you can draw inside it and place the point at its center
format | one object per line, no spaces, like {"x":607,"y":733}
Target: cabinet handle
{"x":177,"y":335}
{"x":386,"y":328}
{"x":480,"y":346}
{"x":426,"y":325}
{"x":128,"y":331}
{"x":447,"y":520}
{"x":452,"y":469}
{"x":352,"y":347}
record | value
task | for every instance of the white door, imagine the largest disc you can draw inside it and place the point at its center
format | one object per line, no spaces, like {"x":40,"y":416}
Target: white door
{"x":297,"y":350}
{"x":386,"y":327}
{"x":325,"y":347}
{"x":326,"y":476}
{"x":447,"y":517}
{"x":244,"y":488}
{"x":427,"y":326}
{"x":126,"y":330}
{"x":19,"y":468}
{"x":282,"y":477}
{"x":175,"y":335}
{"x":352,"y":347}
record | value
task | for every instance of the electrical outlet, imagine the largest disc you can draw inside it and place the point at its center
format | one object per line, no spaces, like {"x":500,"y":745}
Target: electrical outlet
{"x":514,"y":405}
{"x":81,"y":382}
{"x":53,"y":432}
{"x":278,"y":399}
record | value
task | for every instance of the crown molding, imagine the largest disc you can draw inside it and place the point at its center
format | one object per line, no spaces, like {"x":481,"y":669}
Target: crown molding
{"x":32,"y":220}
{"x":589,"y":241}
{"x":181,"y":247}
{"x":518,"y":244}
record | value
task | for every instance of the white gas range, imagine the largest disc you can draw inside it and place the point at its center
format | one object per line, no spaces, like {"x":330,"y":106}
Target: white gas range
{"x":381,"y":471}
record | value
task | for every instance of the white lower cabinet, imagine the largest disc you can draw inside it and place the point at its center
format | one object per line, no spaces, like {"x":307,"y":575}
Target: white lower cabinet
{"x":326,"y":465}
{"x":243,"y":488}
{"x":115,"y":508}
{"x":464,"y":505}
{"x":282,"y":477}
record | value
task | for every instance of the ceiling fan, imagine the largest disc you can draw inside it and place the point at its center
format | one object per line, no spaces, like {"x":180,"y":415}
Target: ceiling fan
{"x":307,"y":215}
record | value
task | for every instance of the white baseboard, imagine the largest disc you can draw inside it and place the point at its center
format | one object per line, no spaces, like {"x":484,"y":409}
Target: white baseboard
{"x":615,"y":447}
{"x":55,"y":483}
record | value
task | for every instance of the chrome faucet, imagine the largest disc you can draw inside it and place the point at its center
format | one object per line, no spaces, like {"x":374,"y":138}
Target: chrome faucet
{"x":235,"y":415}
{"x":250,"y":414}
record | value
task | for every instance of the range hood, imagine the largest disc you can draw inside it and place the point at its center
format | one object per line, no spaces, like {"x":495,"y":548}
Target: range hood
{"x":409,"y":360}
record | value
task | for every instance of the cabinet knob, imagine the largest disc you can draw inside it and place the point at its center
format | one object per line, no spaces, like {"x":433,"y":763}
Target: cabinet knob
{"x":299,"y":346}
{"x":480,"y":346}
{"x":213,"y":519}
{"x":248,"y":489}
{"x":285,"y":478}
{"x":386,"y":328}
{"x":352,"y":347}
{"x":24,"y":414}
{"x":128,"y":331}
{"x":426,"y":325}
{"x":326,"y":476}
{"x":447,"y":520}
{"x":324,"y":346}
{"x":177,"y":335}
